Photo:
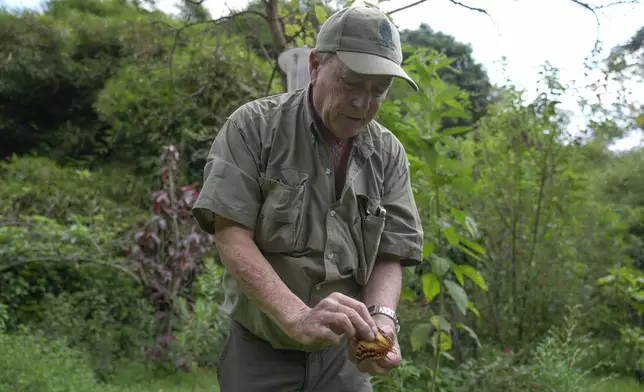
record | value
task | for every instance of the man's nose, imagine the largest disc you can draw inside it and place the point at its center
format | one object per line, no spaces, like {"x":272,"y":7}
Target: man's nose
{"x":361,"y":101}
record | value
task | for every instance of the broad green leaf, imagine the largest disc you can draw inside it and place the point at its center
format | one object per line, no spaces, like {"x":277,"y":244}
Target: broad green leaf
{"x":431,"y":286}
{"x":466,"y":250}
{"x":639,"y":307}
{"x":445,"y":340}
{"x":418,"y":335}
{"x":439,"y":322}
{"x":452,"y":235}
{"x":473,"y":309}
{"x":469,"y":331}
{"x":431,"y":156}
{"x":455,"y":113}
{"x":474,"y":276}
{"x":472,"y":227}
{"x":606,"y":279}
{"x":456,"y":269}
{"x":438,"y":180}
{"x":291,"y":29}
{"x":320,"y":13}
{"x":407,"y":294}
{"x":458,"y":294}
{"x":450,"y":132}
{"x":471,"y":244}
{"x":440,"y":266}
{"x":459,"y":215}
{"x":428,"y":249}
{"x":447,"y":355}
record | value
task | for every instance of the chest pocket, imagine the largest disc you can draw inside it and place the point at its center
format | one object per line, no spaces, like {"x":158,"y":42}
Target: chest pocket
{"x":369,"y":228}
{"x":280,"y":217}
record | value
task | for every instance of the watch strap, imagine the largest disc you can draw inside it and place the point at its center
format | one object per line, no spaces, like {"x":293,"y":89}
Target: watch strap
{"x":378,"y":309}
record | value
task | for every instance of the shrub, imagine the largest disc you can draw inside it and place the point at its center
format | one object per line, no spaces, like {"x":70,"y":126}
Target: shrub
{"x":62,"y":267}
{"x":34,"y":364}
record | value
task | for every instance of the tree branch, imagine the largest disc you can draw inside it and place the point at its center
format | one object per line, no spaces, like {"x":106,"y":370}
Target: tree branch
{"x":456,"y":2}
{"x":591,"y":8}
{"x":406,"y":7}
{"x":180,"y":30}
{"x":481,"y":10}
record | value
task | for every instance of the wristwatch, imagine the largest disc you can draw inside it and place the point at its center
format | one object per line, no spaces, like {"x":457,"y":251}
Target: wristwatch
{"x":377,"y":309}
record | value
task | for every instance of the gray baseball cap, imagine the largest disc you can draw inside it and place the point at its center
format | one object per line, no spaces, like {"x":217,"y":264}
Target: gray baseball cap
{"x":365,"y":41}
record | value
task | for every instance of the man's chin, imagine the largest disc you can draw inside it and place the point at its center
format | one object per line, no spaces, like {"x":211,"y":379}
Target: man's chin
{"x":351,"y":130}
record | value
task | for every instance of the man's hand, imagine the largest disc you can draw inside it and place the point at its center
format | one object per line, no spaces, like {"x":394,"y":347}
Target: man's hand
{"x":334,"y":316}
{"x":384,"y":365}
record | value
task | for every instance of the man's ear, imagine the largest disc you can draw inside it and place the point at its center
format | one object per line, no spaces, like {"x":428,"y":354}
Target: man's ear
{"x":314,"y":65}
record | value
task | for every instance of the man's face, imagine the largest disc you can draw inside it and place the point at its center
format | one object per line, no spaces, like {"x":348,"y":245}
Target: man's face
{"x":345,"y":100}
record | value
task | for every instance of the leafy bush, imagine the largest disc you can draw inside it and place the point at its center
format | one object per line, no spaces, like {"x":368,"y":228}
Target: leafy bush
{"x":32,"y":185}
{"x":203,"y":327}
{"x":109,"y":318}
{"x":53,"y":219}
{"x":558,"y":356}
{"x":62,"y":267}
{"x":34,"y":364}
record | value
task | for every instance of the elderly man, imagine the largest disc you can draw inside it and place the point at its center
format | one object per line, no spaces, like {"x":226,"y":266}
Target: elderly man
{"x":310,"y":202}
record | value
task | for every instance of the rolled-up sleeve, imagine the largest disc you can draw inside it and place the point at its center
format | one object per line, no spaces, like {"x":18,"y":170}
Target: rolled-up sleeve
{"x":403,"y":233}
{"x":230,"y":186}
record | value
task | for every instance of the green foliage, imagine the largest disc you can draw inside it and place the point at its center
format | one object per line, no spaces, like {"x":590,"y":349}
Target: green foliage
{"x":623,"y":288}
{"x":533,"y":194}
{"x":417,"y":121}
{"x":521,"y":219}
{"x":463,"y":72}
{"x":557,"y":358}
{"x":183,"y":105}
{"x":111,"y":82}
{"x":32,"y":363}
{"x":526,"y":182}
{"x":108,"y":317}
{"x":4,"y":316}
{"x":62,"y":267}
{"x":36,"y":186}
{"x":45,"y":365}
{"x":203,"y":328}
{"x":55,"y":65}
{"x":53,"y":221}
{"x":167,"y":254}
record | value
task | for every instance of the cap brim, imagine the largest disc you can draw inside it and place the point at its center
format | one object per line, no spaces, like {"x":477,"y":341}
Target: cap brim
{"x":370,"y":64}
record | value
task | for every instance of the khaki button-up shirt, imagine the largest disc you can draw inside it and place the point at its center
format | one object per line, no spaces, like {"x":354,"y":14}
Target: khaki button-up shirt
{"x":270,"y":170}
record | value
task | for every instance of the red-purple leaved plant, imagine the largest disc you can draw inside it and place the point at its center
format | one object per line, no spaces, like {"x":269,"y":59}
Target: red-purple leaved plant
{"x":168,"y":253}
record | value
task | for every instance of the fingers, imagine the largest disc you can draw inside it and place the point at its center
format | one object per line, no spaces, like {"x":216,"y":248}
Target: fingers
{"x":357,"y":313}
{"x":328,"y":335}
{"x":340,"y":323}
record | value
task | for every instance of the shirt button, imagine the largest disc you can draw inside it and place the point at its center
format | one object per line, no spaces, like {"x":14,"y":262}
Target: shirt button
{"x":332,"y":213}
{"x":327,"y":171}
{"x":317,"y":288}
{"x":329,"y":255}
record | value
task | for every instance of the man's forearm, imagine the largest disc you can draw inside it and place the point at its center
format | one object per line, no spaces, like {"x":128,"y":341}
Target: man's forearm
{"x":385,"y":284}
{"x":244,"y":261}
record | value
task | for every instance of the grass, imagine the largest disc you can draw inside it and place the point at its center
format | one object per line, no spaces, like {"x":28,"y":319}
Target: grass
{"x":206,"y":381}
{"x":134,"y":380}
{"x":619,"y":385}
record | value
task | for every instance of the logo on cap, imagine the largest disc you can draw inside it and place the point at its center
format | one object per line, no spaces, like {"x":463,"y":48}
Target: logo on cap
{"x":386,"y":36}
{"x":385,"y":31}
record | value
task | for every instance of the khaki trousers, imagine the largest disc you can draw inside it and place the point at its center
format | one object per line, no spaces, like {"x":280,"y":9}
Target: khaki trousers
{"x":250,"y":364}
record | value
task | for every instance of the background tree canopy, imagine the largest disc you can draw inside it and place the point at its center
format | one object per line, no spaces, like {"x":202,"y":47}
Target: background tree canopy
{"x":534,"y":238}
